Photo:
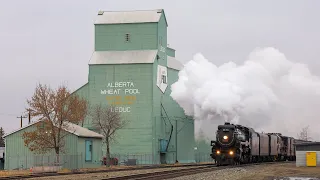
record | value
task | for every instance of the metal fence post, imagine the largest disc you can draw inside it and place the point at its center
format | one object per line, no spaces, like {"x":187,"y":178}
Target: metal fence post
{"x":81,"y":160}
{"x":17,"y":161}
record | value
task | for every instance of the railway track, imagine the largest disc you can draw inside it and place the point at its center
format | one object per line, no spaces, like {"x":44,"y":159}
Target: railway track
{"x":182,"y":172}
{"x":35,"y":175}
{"x":154,"y":175}
{"x":165,"y":174}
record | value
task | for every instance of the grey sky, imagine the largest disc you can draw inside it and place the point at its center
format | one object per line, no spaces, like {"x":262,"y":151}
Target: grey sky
{"x":51,"y":41}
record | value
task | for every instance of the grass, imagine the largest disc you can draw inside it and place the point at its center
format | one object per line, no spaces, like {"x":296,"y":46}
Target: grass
{"x":64,"y":170}
{"x":283,"y":170}
{"x":5,"y":173}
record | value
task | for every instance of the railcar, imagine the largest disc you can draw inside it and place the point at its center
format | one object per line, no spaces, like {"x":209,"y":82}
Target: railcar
{"x":237,"y":144}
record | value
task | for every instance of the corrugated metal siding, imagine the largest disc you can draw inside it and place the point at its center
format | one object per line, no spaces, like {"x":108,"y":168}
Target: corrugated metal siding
{"x":171,"y":52}
{"x":301,"y":158}
{"x":136,"y":136}
{"x":113,"y":37}
{"x":123,"y":57}
{"x":159,"y":130}
{"x":82,"y":91}
{"x":183,"y":129}
{"x":17,"y":155}
{"x":120,"y":17}
{"x":185,"y":137}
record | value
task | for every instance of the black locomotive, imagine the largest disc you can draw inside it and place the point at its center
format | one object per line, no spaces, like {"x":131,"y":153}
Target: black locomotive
{"x":237,"y":144}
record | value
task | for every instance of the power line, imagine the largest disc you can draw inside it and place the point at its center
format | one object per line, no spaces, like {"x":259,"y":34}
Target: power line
{"x":10,"y":114}
{"x":7,"y":114}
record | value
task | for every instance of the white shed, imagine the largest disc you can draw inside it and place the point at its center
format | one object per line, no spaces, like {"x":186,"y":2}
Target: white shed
{"x":2,"y":150}
{"x":308,"y":154}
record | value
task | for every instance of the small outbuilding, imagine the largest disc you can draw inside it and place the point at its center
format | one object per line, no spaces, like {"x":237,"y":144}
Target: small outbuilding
{"x":2,"y":150}
{"x":82,"y":150}
{"x":307,"y":154}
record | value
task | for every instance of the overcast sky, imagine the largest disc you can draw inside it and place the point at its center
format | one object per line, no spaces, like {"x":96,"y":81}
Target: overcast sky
{"x":51,"y":41}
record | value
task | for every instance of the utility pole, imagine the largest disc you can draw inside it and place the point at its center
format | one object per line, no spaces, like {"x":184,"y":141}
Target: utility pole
{"x":21,"y":119}
{"x":29,"y":114}
{"x":176,"y":140}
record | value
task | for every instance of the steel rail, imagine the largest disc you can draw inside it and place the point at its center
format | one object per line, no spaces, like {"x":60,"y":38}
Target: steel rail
{"x":200,"y":166}
{"x":34,"y":175}
{"x":184,"y":172}
{"x":165,"y":174}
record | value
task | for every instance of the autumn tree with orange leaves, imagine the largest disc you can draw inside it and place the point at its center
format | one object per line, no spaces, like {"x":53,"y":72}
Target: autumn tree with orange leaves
{"x":54,"y":109}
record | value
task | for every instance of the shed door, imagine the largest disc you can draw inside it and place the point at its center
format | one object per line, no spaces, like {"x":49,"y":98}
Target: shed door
{"x":88,"y":150}
{"x":311,"y":158}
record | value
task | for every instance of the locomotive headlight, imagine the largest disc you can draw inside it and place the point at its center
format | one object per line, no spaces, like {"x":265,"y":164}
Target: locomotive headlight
{"x":231,"y":152}
{"x":218,"y":152}
{"x":225,"y":137}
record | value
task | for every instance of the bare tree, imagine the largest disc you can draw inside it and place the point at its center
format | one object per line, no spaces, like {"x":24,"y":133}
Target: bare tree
{"x":54,"y":110}
{"x":304,"y":134}
{"x":106,"y":121}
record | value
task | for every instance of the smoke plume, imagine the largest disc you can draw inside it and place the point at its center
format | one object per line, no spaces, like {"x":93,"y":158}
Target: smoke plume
{"x":267,"y":92}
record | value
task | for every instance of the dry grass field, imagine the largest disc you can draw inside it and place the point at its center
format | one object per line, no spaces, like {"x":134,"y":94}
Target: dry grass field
{"x":270,"y":172}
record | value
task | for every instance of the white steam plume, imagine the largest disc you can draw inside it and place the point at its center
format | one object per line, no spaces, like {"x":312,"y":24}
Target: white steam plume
{"x":267,"y":92}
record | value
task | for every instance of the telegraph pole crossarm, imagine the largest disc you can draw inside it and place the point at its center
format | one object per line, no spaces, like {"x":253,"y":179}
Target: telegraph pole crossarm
{"x":21,"y":117}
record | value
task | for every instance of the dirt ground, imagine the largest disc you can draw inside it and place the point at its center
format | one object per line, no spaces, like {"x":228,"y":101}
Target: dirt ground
{"x":276,"y":171}
{"x":6,"y":173}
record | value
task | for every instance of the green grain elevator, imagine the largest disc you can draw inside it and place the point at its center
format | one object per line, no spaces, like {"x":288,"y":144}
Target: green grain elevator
{"x":133,"y":68}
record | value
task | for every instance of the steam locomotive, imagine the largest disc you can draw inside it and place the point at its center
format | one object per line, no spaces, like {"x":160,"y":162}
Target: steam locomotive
{"x":237,"y":144}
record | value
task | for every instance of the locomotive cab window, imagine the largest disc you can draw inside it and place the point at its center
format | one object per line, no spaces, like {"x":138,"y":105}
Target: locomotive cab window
{"x":240,"y":135}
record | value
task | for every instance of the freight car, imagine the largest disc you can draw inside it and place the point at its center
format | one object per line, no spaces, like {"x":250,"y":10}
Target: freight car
{"x":237,"y":144}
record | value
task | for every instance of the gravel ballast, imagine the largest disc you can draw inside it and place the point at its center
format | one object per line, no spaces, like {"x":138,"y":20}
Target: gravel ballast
{"x":282,"y":171}
{"x":109,"y":174}
{"x":256,"y":172}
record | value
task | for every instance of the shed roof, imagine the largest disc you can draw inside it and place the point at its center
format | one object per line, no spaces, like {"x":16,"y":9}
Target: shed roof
{"x":71,"y":128}
{"x":123,"y":57}
{"x":173,"y":63}
{"x":81,"y":131}
{"x":121,"y":17}
{"x":131,"y":57}
{"x":307,"y":144}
